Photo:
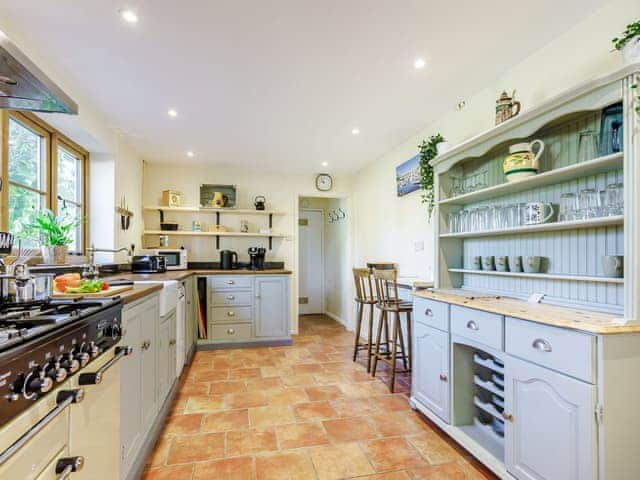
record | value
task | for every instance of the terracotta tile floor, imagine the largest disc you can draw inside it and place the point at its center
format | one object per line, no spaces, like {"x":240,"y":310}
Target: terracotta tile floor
{"x":304,"y":412}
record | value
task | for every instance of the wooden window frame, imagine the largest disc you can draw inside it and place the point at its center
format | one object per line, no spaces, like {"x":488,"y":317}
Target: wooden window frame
{"x":53,"y":139}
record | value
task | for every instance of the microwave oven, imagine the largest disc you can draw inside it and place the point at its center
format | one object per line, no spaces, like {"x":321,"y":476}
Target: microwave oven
{"x":174,"y":258}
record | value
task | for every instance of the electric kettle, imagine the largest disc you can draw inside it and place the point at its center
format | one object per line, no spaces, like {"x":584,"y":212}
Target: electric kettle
{"x":228,"y":259}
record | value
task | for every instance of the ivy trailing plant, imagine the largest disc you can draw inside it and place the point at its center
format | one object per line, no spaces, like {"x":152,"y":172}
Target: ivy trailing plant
{"x":428,"y":152}
{"x":631,"y":31}
{"x":636,"y":91}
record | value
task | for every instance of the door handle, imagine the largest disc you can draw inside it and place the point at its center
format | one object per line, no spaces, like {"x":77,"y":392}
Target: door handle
{"x":96,"y":377}
{"x":428,"y":312}
{"x":231,"y":331}
{"x":67,"y":466}
{"x":444,"y":378}
{"x":63,"y":400}
{"x":231,"y":297}
{"x":471,"y":325}
{"x":172,"y":342}
{"x":231,"y":314}
{"x":230,"y":282}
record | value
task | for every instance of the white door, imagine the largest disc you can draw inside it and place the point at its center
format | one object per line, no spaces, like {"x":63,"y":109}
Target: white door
{"x":551,"y":435}
{"x":311,"y":262}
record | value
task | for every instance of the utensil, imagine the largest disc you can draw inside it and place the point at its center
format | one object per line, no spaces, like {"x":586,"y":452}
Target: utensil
{"x":568,"y":208}
{"x":587,"y":146}
{"x":502,"y":264}
{"x":532,"y":264}
{"x":488,"y":263}
{"x":515,"y":263}
{"x":613,"y":199}
{"x":613,"y":266}
{"x":535,"y":213}
{"x":521,"y":161}
{"x":588,"y":203}
{"x":476,"y":262}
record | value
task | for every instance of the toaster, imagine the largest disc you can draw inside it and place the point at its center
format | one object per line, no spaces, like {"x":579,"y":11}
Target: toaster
{"x":148,"y":264}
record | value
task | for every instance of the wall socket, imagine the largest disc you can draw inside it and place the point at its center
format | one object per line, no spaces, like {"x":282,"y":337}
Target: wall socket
{"x":418,"y":246}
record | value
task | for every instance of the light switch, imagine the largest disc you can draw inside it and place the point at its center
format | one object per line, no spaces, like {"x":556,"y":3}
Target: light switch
{"x":418,"y":246}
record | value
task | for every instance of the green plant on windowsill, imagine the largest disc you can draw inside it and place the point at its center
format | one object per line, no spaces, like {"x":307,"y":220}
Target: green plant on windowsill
{"x":428,"y":151}
{"x":55,"y":234}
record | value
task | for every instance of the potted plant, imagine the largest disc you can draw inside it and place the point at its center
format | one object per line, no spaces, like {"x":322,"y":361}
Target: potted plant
{"x":55,"y":234}
{"x":629,"y":43}
{"x":428,"y":151}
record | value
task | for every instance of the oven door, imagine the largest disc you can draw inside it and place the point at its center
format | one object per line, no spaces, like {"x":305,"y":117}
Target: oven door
{"x":95,"y":425}
{"x":35,"y":446}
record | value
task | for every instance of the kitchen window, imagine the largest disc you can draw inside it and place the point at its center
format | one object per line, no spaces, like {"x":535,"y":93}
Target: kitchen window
{"x":44,"y":170}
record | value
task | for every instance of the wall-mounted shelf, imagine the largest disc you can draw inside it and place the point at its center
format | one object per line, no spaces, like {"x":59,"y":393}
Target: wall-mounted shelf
{"x":543,"y":227}
{"x":541,"y":276}
{"x":226,"y":211}
{"x":558,"y":175}
{"x":212,"y":234}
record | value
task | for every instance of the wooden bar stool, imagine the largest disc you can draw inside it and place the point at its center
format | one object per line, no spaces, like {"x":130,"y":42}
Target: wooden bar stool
{"x":365,"y":296}
{"x":389,"y":304}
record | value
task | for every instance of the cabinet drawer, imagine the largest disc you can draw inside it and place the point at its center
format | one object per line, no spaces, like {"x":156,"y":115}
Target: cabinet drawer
{"x":219,"y":282}
{"x":483,"y":327}
{"x":431,"y":313}
{"x":231,"y":297}
{"x":566,"y":351}
{"x":230,"y":314}
{"x":230,"y":331}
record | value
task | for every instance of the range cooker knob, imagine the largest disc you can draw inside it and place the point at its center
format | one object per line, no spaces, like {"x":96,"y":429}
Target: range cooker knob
{"x":82,"y":357}
{"x":55,"y":372}
{"x":94,"y":350}
{"x":70,"y":364}
{"x":37,"y":383}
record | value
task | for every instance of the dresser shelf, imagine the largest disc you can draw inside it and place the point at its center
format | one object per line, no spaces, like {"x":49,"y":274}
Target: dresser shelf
{"x":225,"y":211}
{"x":541,"y":276}
{"x":187,"y":233}
{"x":543,"y":227}
{"x":552,"y":177}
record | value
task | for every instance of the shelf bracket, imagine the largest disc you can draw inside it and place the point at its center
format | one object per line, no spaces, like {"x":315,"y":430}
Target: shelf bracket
{"x":217,"y":242}
{"x":270,"y":243}
{"x":270,"y":220}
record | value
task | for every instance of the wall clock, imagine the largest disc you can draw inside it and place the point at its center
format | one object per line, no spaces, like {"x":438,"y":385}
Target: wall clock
{"x":324,"y":182}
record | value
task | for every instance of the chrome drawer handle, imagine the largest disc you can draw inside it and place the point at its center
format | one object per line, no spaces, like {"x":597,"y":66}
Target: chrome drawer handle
{"x":471,"y":325}
{"x":231,"y":331}
{"x":541,"y":345}
{"x":444,"y":378}
{"x":230,"y":282}
{"x":231,"y":314}
{"x":428,"y":312}
{"x":66,"y":466}
{"x":231,"y":297}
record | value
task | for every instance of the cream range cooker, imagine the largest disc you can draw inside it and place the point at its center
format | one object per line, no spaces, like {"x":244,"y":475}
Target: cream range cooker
{"x":60,"y":389}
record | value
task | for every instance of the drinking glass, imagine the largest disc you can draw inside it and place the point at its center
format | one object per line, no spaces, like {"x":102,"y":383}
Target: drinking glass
{"x":567,"y":207}
{"x":511,"y":212}
{"x":452,"y":219}
{"x":614,"y":198}
{"x":520,"y":214}
{"x":587,"y":146}
{"x":588,"y":203}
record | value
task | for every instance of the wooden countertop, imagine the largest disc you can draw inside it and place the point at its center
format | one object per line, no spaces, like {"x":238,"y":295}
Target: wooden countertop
{"x":139,"y":291}
{"x":563,"y":317}
{"x":142,"y":290}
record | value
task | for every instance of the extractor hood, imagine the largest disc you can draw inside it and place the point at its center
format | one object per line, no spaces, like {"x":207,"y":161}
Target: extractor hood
{"x":23,"y":86}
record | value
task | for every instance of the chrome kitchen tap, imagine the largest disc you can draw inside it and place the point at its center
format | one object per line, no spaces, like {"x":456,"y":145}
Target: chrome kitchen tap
{"x":91,"y":270}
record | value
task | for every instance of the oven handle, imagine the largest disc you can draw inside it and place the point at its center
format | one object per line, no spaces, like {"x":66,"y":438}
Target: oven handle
{"x":69,"y":465}
{"x":96,"y":377}
{"x":63,"y":400}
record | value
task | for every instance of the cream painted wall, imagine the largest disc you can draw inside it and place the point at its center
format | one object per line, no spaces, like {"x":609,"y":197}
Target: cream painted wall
{"x":387,"y":227}
{"x":282,"y":193}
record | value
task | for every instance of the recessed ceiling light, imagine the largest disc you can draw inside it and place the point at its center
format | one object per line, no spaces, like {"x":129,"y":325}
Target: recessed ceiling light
{"x":355,"y":131}
{"x":419,"y":63}
{"x":129,"y":16}
{"x":190,"y":154}
{"x":172,"y":113}
{"x":325,"y":164}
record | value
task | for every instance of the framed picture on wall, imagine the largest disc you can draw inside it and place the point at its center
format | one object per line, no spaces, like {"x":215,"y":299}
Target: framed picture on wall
{"x":408,"y":176}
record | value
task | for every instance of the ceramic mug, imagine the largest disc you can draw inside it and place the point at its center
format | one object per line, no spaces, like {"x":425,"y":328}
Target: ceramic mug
{"x":515,"y":263}
{"x":502,"y":264}
{"x":488,"y":262}
{"x":532,"y":264}
{"x":476,"y":262}
{"x":535,"y":213}
{"x":613,"y":265}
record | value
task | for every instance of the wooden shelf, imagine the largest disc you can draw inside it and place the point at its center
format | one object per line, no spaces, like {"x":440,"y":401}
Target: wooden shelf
{"x":543,"y":227}
{"x":558,"y":175}
{"x":186,"y":233}
{"x":540,"y":276}
{"x":226,"y":211}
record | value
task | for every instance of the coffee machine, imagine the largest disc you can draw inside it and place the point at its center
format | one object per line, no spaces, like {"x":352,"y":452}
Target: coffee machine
{"x":256,"y":258}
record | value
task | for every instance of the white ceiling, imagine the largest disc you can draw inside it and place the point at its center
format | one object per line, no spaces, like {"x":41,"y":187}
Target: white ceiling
{"x":279,"y":84}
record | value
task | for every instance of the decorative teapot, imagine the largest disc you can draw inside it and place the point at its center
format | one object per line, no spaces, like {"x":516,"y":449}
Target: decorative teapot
{"x":522,"y":162}
{"x":259,"y":202}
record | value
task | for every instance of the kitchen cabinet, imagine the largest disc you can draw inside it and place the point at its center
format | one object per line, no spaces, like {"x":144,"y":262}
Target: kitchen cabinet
{"x":552,"y":431}
{"x":138,"y":378}
{"x":271,"y":306}
{"x":191,"y":314}
{"x":166,"y":354}
{"x":430,"y":376}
